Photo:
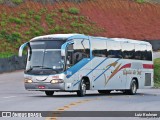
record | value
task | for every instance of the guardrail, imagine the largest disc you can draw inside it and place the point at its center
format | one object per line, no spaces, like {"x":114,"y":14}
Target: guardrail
{"x":12,"y":63}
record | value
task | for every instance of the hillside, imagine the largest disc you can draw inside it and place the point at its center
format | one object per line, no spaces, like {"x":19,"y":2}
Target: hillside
{"x":110,"y":18}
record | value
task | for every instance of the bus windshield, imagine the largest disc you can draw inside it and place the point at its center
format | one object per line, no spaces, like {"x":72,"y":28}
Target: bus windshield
{"x":44,"y":58}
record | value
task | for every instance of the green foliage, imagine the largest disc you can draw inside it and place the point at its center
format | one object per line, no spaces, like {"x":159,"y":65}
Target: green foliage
{"x":3,"y":23}
{"x":74,"y":11}
{"x":37,"y":17}
{"x":15,"y":20}
{"x":3,"y":33}
{"x":31,"y":12}
{"x":17,"y":1}
{"x":27,"y":24}
{"x":82,"y":18}
{"x":27,"y":32}
{"x":56,"y":29}
{"x":76,"y":24}
{"x":1,"y":1}
{"x":49,"y":19}
{"x":43,"y":10}
{"x":62,"y":10}
{"x":40,"y":29}
{"x":157,"y":72}
{"x":6,"y":54}
{"x":23,"y":15}
{"x":37,"y":33}
{"x":15,"y":36}
{"x":140,"y":1}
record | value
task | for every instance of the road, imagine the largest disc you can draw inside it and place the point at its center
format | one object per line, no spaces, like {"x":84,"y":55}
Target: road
{"x":13,"y":97}
{"x":156,"y":55}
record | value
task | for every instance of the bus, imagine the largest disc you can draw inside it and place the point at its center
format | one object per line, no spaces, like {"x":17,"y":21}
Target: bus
{"x":77,"y":63}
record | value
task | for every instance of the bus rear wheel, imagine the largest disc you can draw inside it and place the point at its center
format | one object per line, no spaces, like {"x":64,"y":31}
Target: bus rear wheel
{"x":82,"y":91}
{"x":133,"y":88}
{"x":104,"y":91}
{"x":49,"y":93}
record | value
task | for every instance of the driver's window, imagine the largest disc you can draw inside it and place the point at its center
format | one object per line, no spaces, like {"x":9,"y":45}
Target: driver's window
{"x":70,"y":52}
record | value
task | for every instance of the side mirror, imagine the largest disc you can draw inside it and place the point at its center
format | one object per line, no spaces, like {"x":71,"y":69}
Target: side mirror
{"x":63,"y":49}
{"x":21,"y":49}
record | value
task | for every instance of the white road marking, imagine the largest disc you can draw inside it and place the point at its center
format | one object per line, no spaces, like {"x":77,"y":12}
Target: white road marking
{"x":9,"y":97}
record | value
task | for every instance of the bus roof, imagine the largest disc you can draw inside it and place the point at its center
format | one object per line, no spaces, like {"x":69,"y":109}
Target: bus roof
{"x":76,"y":35}
{"x":56,"y":36}
{"x":125,"y":40}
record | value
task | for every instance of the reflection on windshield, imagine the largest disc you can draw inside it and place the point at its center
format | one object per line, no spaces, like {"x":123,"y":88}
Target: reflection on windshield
{"x":44,"y":61}
{"x":52,"y":59}
{"x":49,"y":59}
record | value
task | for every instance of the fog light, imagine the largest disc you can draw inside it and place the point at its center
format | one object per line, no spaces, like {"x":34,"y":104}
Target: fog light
{"x":57,"y":81}
{"x":28,"y":81}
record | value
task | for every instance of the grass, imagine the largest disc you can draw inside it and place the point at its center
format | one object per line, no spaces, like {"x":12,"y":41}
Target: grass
{"x":6,"y":55}
{"x":157,"y":73}
{"x":19,"y":27}
{"x":74,"y":11}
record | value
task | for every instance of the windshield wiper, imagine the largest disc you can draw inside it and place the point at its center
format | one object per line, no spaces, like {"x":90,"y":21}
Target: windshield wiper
{"x":47,"y":68}
{"x":43,"y":67}
{"x":31,"y":68}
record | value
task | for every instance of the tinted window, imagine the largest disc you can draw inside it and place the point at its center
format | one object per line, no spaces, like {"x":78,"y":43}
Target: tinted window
{"x":52,"y":44}
{"x":140,"y":52}
{"x":128,"y":50}
{"x":114,"y":49}
{"x":149,"y":53}
{"x":99,"y":48}
{"x":77,"y":51}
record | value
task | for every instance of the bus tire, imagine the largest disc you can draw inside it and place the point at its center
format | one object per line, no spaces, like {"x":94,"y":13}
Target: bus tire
{"x":104,"y":91}
{"x":49,"y":93}
{"x":82,"y":90}
{"x":133,"y":88}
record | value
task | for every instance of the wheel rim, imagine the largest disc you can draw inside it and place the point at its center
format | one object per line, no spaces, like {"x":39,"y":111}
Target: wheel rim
{"x":134,"y":88}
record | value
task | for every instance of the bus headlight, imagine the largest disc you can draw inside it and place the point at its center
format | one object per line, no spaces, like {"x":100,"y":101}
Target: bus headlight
{"x":57,"y":81}
{"x":28,"y":81}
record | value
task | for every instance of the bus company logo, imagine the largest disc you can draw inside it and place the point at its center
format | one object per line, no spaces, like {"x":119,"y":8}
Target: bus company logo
{"x":6,"y":114}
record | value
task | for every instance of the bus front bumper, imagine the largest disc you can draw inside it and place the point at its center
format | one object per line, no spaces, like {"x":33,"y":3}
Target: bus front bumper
{"x":44,"y":86}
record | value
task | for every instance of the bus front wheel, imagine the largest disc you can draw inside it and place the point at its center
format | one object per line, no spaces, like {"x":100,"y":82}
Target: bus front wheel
{"x":49,"y":93}
{"x":82,"y":91}
{"x":133,"y":88}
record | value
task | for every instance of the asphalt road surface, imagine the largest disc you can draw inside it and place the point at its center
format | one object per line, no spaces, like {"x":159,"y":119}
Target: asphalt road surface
{"x":13,"y":97}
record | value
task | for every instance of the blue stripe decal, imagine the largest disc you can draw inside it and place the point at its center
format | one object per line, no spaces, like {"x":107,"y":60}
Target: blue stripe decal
{"x":105,"y":71}
{"x":76,"y":83}
{"x":77,"y":67}
{"x":96,"y":66}
{"x":92,"y":70}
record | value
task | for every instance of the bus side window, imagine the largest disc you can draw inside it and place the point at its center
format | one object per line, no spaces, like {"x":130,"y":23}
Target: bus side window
{"x":99,"y":48}
{"x":140,"y":52}
{"x":128,"y":50}
{"x":114,"y":49}
{"x":149,"y":53}
{"x":81,"y":50}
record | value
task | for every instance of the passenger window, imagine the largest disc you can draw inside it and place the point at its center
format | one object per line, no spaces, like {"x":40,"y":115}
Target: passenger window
{"x":140,"y":52}
{"x":99,"y":48}
{"x":114,"y":49}
{"x":128,"y":50}
{"x":81,"y":50}
{"x":149,"y":53}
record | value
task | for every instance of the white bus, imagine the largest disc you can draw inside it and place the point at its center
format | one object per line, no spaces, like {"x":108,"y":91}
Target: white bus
{"x":76,"y":63}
